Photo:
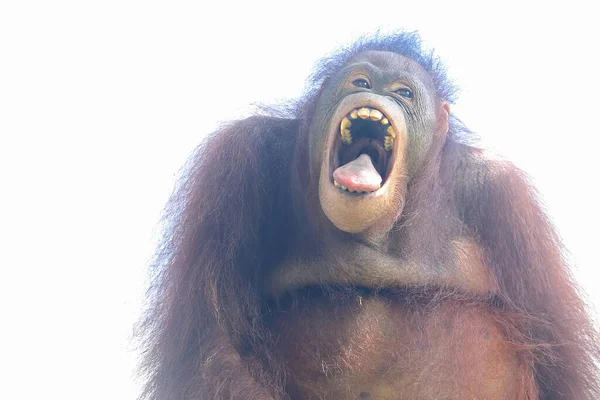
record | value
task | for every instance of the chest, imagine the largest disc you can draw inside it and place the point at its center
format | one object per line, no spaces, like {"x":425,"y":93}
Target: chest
{"x":362,"y":345}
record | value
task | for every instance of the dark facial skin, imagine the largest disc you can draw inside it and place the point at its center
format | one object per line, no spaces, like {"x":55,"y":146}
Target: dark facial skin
{"x":419,"y":121}
{"x":359,"y":249}
{"x":407,"y":313}
{"x":365,"y":342}
{"x":421,"y":124}
{"x":390,"y":72}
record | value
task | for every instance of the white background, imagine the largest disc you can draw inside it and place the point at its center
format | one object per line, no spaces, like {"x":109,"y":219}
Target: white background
{"x":101,"y":102}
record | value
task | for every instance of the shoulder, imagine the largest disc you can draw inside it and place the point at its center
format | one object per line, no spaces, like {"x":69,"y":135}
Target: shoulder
{"x":487,"y":184}
{"x":485,"y":167}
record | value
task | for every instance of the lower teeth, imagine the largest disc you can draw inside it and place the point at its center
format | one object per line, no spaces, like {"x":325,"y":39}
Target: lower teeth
{"x":346,"y":189}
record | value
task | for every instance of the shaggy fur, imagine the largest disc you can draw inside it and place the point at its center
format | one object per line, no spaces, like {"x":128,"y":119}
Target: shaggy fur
{"x":211,"y":333}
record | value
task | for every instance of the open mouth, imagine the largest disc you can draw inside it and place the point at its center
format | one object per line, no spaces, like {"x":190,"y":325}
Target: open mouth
{"x":363,"y":151}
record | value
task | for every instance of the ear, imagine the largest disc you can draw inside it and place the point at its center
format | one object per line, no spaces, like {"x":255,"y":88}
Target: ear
{"x":443,"y":118}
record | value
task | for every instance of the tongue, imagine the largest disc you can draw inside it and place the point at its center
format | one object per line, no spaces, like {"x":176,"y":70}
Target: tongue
{"x":359,"y":175}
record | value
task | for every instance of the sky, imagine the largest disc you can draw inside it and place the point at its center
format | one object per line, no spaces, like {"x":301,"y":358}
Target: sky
{"x":102,"y":102}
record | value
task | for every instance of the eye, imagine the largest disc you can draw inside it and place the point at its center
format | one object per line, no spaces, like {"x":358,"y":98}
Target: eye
{"x":360,"y":82}
{"x":405,"y":93}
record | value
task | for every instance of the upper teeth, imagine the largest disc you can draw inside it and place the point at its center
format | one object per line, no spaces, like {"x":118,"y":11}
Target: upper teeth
{"x":376,"y":115}
{"x":364,"y":113}
{"x":345,"y":130}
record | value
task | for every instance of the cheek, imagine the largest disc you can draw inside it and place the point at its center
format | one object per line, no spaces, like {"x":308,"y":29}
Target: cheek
{"x":422,"y":128}
{"x":318,"y":128}
{"x":331,"y":93}
{"x":316,"y":140}
{"x":427,"y":116}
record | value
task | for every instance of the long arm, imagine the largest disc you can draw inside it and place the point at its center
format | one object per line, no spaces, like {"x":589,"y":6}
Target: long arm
{"x":534,"y":281}
{"x":205,"y":315}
